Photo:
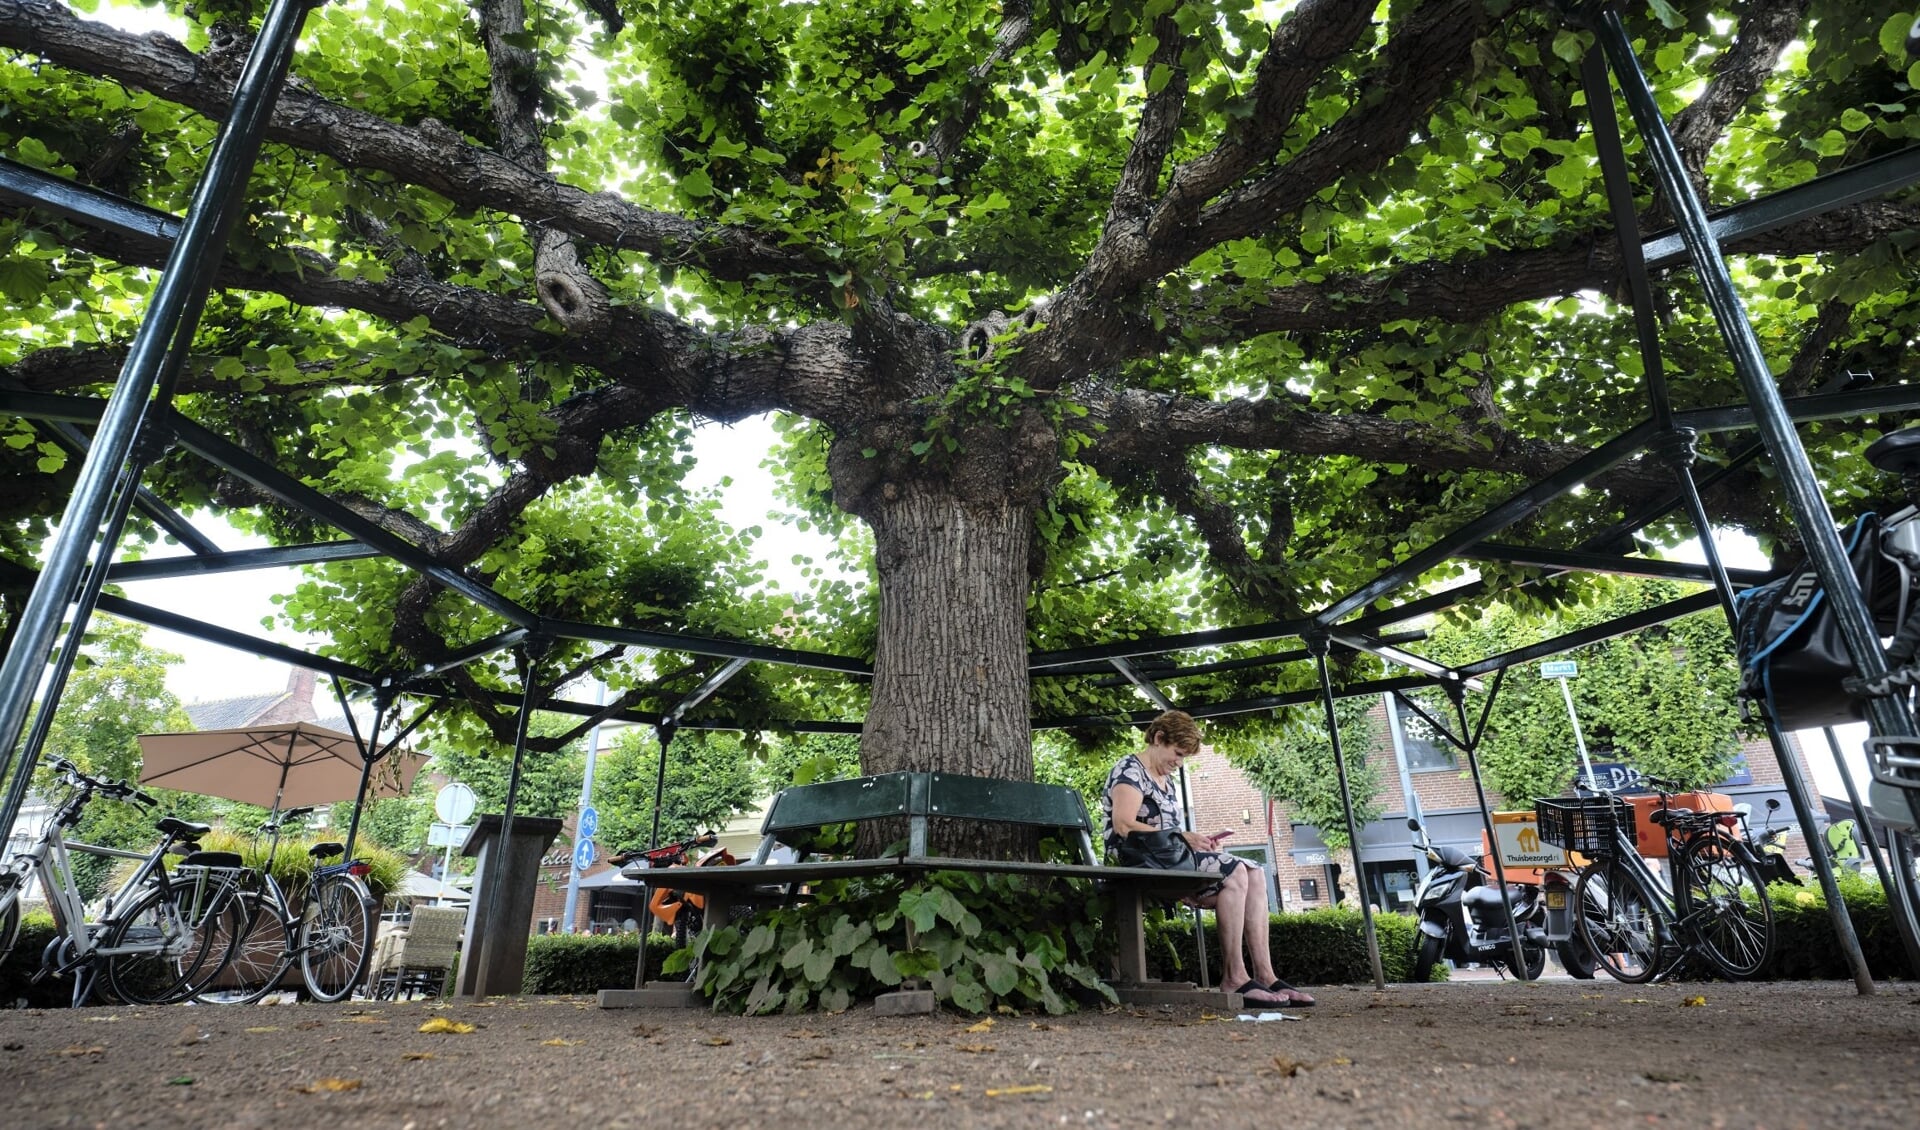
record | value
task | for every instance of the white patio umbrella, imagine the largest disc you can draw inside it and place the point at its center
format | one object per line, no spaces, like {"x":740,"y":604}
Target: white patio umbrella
{"x":274,"y":766}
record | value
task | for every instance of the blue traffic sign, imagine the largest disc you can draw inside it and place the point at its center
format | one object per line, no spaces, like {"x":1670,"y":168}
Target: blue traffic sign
{"x":1559,"y":669}
{"x":589,"y":822}
{"x":584,"y":854}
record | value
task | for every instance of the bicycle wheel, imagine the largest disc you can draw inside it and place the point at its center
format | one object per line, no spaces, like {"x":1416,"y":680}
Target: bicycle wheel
{"x":1617,"y":922}
{"x":162,"y":951}
{"x":1723,"y":900}
{"x":336,"y":937}
{"x":1903,"y":861}
{"x":260,"y":953}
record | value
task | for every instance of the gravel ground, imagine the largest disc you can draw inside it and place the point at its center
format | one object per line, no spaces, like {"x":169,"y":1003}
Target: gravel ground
{"x":1757,"y":1057}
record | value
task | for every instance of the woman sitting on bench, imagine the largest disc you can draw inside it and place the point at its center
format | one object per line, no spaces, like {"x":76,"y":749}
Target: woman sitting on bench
{"x":1140,"y":797}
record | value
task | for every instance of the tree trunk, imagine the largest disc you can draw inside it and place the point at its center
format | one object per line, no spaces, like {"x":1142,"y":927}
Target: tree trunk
{"x":950,"y":689}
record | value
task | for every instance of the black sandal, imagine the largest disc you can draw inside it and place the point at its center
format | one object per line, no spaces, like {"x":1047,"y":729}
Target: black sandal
{"x":1247,"y":990}
{"x":1297,"y":998}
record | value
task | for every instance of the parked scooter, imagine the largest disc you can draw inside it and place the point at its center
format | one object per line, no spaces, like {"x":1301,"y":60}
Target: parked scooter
{"x":1461,"y":917}
{"x":1769,"y":844}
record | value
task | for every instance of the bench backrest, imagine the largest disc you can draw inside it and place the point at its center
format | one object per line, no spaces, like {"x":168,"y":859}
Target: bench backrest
{"x":1011,"y":802}
{"x":918,"y":796}
{"x":806,"y":807}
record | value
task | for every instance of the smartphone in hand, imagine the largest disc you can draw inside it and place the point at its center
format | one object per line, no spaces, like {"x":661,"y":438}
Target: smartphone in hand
{"x":1221,"y":837}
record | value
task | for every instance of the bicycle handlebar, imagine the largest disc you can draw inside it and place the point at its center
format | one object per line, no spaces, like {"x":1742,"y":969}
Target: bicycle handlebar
{"x":116,"y":790}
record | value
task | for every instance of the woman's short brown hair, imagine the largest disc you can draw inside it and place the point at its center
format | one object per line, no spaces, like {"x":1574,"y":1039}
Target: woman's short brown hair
{"x":1177,"y":729}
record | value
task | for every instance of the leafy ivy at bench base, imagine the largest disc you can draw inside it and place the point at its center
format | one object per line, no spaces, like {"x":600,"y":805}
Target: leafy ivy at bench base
{"x":978,"y":941}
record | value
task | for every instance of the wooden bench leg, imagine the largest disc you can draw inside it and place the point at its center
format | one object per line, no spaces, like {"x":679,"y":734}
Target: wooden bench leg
{"x":1130,"y":927}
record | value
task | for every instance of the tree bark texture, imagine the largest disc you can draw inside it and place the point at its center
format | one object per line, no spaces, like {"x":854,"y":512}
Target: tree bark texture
{"x":950,"y":692}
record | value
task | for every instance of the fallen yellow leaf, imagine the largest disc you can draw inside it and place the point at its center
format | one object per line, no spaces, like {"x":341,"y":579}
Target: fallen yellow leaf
{"x":320,"y":1085}
{"x":1693,"y":1002}
{"x":977,"y":1049}
{"x":266,"y":1028}
{"x":361,"y":1020}
{"x":1028,"y":1089}
{"x":718,"y":1041}
{"x":557,"y":1042}
{"x":1635,"y":1000}
{"x":442,"y":1024}
{"x":984,"y":1026}
{"x":418,"y":1055}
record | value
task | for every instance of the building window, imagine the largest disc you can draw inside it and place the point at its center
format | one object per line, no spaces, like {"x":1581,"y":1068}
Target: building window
{"x":1309,"y":890}
{"x":1426,"y":748}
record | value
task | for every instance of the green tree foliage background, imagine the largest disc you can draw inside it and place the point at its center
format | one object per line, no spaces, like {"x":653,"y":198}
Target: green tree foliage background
{"x":1661,"y":699}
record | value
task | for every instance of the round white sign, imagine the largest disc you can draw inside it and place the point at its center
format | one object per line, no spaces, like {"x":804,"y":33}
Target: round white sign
{"x":455,"y":803}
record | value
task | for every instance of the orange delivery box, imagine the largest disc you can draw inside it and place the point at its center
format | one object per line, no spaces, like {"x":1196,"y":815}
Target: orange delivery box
{"x":1651,"y":838}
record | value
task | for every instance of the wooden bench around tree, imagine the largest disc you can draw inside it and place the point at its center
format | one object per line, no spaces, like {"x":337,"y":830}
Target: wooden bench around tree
{"x":800,"y":818}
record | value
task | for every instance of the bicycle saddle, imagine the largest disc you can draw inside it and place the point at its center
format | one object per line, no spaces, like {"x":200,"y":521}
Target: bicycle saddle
{"x":212,"y":859}
{"x":186,"y":830}
{"x":1896,"y":452}
{"x":1665,"y":816}
{"x":326,"y":850}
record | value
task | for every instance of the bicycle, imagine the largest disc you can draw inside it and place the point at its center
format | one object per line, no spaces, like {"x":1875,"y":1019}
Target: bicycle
{"x":329,"y":932}
{"x":1637,"y":926}
{"x":158,"y":935}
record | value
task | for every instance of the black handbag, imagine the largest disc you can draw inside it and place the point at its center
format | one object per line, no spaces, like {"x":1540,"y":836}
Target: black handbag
{"x":1162,"y":851}
{"x":1792,"y":657}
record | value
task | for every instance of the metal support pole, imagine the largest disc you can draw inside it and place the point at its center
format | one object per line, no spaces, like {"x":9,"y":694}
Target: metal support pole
{"x":127,"y":489}
{"x":169,"y":324}
{"x":369,"y":754}
{"x":1469,"y":744}
{"x":1317,"y":643}
{"x":1412,"y":799}
{"x":494,"y":880}
{"x":586,"y":801}
{"x":663,"y":733}
{"x":1775,"y":426}
{"x":1865,"y":817}
{"x":1579,"y":739}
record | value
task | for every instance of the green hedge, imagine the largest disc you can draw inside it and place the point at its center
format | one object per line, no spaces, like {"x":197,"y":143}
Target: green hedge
{"x":1804,"y":947}
{"x":580,"y":964}
{"x":1314,"y":947}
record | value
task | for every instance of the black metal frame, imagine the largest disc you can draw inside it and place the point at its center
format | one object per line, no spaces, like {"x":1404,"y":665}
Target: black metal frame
{"x":108,"y":484}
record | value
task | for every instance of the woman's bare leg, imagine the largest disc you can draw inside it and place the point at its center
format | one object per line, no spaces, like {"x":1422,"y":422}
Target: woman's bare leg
{"x":1258,"y":928}
{"x":1230,"y":911}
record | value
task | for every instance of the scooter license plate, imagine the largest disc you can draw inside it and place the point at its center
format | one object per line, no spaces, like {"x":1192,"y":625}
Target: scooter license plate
{"x":1556,"y":900}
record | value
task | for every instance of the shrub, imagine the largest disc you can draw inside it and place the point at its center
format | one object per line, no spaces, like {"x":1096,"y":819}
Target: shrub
{"x":1314,"y":947}
{"x":976,"y":940}
{"x":293,"y":867}
{"x":580,"y":964}
{"x":1804,"y":946}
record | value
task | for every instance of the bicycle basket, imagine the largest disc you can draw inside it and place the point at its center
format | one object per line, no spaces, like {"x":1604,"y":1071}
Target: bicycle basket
{"x":1585,"y":824}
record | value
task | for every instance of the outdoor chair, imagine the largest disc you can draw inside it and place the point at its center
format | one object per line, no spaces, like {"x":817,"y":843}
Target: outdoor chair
{"x":418,"y":957}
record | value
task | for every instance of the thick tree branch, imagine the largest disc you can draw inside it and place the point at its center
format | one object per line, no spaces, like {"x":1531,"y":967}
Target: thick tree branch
{"x":1423,"y":59}
{"x":1016,"y":27}
{"x":430,"y":155}
{"x":1766,"y":28}
{"x":568,"y":291}
{"x":1306,"y":41}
